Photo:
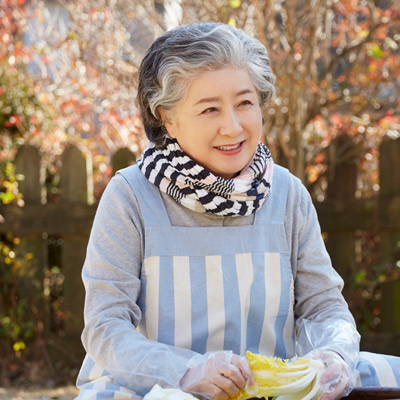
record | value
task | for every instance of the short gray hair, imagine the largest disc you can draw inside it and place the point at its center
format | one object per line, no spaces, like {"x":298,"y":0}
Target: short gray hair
{"x":182,"y":54}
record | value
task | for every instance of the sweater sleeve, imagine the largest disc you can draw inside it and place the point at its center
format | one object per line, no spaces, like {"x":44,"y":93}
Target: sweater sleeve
{"x":111,"y":275}
{"x":323,"y":319}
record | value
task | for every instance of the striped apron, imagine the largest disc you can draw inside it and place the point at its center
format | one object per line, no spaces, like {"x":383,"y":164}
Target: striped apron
{"x":212,"y":288}
{"x":215,"y":288}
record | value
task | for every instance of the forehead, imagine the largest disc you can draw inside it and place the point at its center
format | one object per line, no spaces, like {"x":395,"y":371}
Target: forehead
{"x":218,"y":83}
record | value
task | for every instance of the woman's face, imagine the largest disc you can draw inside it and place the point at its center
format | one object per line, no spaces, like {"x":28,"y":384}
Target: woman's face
{"x":219,"y":124}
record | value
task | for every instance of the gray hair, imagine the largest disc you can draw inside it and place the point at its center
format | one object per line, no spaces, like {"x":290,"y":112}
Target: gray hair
{"x":182,"y":54}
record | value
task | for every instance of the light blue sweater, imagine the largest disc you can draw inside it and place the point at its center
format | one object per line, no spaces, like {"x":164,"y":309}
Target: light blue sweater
{"x":132,"y":213}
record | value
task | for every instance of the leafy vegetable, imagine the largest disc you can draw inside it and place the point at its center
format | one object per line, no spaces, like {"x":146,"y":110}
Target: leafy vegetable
{"x":295,"y":379}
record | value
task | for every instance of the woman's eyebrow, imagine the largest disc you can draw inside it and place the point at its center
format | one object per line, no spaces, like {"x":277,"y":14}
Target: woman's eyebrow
{"x":214,"y":99}
{"x":244,"y":91}
{"x":207,"y":100}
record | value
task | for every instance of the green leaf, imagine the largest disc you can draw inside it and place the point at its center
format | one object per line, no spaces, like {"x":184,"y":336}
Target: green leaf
{"x":6,"y":321}
{"x":360,"y":276}
{"x":19,"y":346}
{"x":235,"y":3}
{"x":7,"y":197}
{"x":376,"y":52}
{"x":232,"y":21}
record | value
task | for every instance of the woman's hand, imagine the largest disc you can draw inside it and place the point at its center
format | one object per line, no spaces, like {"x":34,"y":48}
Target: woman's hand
{"x":220,"y":376}
{"x":336,"y":379}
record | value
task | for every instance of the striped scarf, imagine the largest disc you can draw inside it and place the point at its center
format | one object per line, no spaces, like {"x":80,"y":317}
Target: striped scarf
{"x":191,"y":185}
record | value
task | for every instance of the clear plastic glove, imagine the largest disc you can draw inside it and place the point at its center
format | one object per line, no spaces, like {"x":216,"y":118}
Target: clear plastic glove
{"x":337,"y":379}
{"x":219,"y":375}
{"x":335,"y":342}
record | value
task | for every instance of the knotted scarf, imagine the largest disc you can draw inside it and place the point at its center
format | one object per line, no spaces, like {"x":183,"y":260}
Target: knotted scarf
{"x":193,"y":186}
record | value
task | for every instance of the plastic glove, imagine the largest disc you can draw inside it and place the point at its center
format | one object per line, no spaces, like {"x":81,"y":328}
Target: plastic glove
{"x":219,"y":375}
{"x":337,"y":379}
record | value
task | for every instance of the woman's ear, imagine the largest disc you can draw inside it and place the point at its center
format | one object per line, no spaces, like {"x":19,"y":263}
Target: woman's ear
{"x":167,"y":122}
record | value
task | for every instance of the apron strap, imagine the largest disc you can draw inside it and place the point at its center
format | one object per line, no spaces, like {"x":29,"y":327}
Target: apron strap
{"x":274,"y":209}
{"x":148,"y":196}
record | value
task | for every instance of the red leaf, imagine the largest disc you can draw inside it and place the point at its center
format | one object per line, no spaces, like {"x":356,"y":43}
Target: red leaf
{"x":319,"y":158}
{"x":336,"y":119}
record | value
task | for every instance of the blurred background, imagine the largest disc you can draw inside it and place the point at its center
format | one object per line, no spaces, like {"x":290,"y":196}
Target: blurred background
{"x":68,"y":122}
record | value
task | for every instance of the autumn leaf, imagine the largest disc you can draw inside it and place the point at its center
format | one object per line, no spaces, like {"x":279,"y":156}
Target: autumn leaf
{"x":235,"y":3}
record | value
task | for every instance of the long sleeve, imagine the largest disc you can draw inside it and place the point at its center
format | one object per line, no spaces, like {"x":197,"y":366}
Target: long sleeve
{"x":323,"y":319}
{"x":111,"y":275}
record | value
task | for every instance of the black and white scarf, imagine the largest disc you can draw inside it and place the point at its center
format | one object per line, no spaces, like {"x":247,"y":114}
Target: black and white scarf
{"x":176,"y":174}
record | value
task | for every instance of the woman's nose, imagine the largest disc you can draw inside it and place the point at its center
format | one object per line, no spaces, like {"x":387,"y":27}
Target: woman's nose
{"x":230,"y":124}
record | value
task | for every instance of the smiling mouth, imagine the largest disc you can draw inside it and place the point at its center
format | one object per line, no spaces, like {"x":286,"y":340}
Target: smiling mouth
{"x":229,"y":147}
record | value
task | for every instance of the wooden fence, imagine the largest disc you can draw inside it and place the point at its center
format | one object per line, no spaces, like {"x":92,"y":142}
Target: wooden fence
{"x":343,"y":217}
{"x":68,"y":223}
{"x":64,"y":225}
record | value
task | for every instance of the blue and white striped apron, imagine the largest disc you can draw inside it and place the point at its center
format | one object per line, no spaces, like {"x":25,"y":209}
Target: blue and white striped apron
{"x":212,"y":288}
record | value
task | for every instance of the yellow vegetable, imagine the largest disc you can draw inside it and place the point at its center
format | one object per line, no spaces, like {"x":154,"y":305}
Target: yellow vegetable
{"x":295,"y":379}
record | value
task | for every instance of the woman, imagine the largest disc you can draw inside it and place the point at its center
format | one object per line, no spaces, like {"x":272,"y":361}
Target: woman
{"x":205,"y":249}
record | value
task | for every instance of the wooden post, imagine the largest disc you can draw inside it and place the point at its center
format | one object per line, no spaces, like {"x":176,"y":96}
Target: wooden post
{"x":76,"y":187}
{"x":389,"y":222}
{"x":76,"y":176}
{"x":27,"y":163}
{"x":121,"y":159}
{"x":340,"y":194}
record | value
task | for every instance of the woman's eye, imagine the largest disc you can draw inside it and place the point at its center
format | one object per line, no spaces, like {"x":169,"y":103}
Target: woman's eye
{"x":209,"y":110}
{"x":245,"y":103}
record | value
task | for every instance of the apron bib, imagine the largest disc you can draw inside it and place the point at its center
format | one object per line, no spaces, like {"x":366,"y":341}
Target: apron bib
{"x":218,"y":288}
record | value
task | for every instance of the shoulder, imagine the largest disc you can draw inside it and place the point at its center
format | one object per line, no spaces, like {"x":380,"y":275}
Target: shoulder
{"x":120,"y":187}
{"x":119,"y":199}
{"x":129,"y":176}
{"x":128,"y":183}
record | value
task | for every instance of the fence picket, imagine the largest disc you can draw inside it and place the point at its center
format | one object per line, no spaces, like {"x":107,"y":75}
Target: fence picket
{"x":75,"y":187}
{"x":76,"y":176}
{"x":340,"y":195}
{"x":28,"y":164}
{"x":121,"y":159}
